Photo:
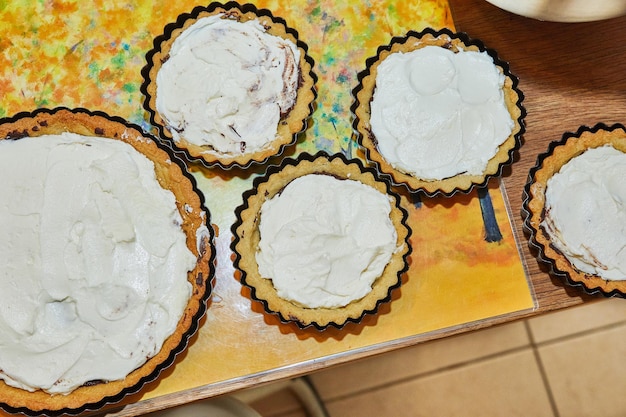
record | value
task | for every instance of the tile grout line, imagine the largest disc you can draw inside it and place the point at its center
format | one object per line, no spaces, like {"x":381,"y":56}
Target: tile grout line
{"x":533,"y":345}
{"x":429,"y":373}
{"x":542,"y":371}
{"x":583,"y":333}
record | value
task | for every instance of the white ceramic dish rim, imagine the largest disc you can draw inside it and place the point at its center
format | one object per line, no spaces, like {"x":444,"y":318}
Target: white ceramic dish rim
{"x":568,"y":11}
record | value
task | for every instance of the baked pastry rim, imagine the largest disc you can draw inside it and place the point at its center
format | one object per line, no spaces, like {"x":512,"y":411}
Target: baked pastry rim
{"x":289,"y":128}
{"x":97,"y":395}
{"x":548,"y":163}
{"x":462,"y":183}
{"x":244,"y":246}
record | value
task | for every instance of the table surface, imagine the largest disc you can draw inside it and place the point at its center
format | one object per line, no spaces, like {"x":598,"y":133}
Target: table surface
{"x":570,"y":77}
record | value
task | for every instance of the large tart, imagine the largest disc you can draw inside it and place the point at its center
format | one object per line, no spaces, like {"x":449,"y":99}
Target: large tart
{"x":321,"y":241}
{"x":106,"y":260}
{"x":229,"y":85}
{"x":438,"y":111}
{"x":574,"y":208}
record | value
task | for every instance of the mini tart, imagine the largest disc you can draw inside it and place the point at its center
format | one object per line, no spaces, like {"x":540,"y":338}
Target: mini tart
{"x":533,"y":210}
{"x":246,"y":240}
{"x":290,"y":125}
{"x":172,"y":175}
{"x":364,"y":93}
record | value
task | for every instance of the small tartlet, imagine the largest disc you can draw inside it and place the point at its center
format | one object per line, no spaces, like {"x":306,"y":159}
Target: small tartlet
{"x":171,"y":175}
{"x":363,"y":95}
{"x":246,"y":239}
{"x":559,"y":153}
{"x":290,"y":125}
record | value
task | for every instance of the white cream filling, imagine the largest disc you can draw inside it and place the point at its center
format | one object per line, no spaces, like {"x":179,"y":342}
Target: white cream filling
{"x":93,"y":262}
{"x":324,"y":241}
{"x":585,"y":213}
{"x":436,"y":114}
{"x":226,"y":83}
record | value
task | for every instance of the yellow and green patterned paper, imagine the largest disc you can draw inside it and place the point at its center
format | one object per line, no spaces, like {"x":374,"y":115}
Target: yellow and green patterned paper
{"x":465,"y":265}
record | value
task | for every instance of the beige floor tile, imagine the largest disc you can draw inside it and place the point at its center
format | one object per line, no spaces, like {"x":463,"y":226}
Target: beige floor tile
{"x":577,"y":319}
{"x":409,"y":362}
{"x":291,"y":414}
{"x":271,"y":407}
{"x":586,"y":374}
{"x":278,"y":403}
{"x":507,"y":385}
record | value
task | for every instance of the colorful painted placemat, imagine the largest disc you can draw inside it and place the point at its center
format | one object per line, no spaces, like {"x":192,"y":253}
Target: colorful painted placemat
{"x":465,"y":265}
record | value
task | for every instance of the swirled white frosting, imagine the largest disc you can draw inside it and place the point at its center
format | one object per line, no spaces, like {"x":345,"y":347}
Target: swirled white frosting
{"x":585,"y":212}
{"x":324,"y":241}
{"x":226,"y":84}
{"x":93,"y":261}
{"x":436,"y":114}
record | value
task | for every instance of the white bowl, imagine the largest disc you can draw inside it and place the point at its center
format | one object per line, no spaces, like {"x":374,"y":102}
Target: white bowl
{"x":564,"y":10}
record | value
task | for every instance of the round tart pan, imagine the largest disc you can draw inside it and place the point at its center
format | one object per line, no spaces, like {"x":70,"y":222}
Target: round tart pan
{"x":246,"y":237}
{"x":548,"y":163}
{"x":172,"y":175}
{"x":364,"y":92}
{"x":289,"y":126}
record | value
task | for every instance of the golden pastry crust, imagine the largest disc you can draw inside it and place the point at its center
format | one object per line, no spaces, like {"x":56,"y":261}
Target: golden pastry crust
{"x":171,"y":177}
{"x":549,"y":164}
{"x":364,"y":94}
{"x":292,"y":123}
{"x":247,"y":237}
